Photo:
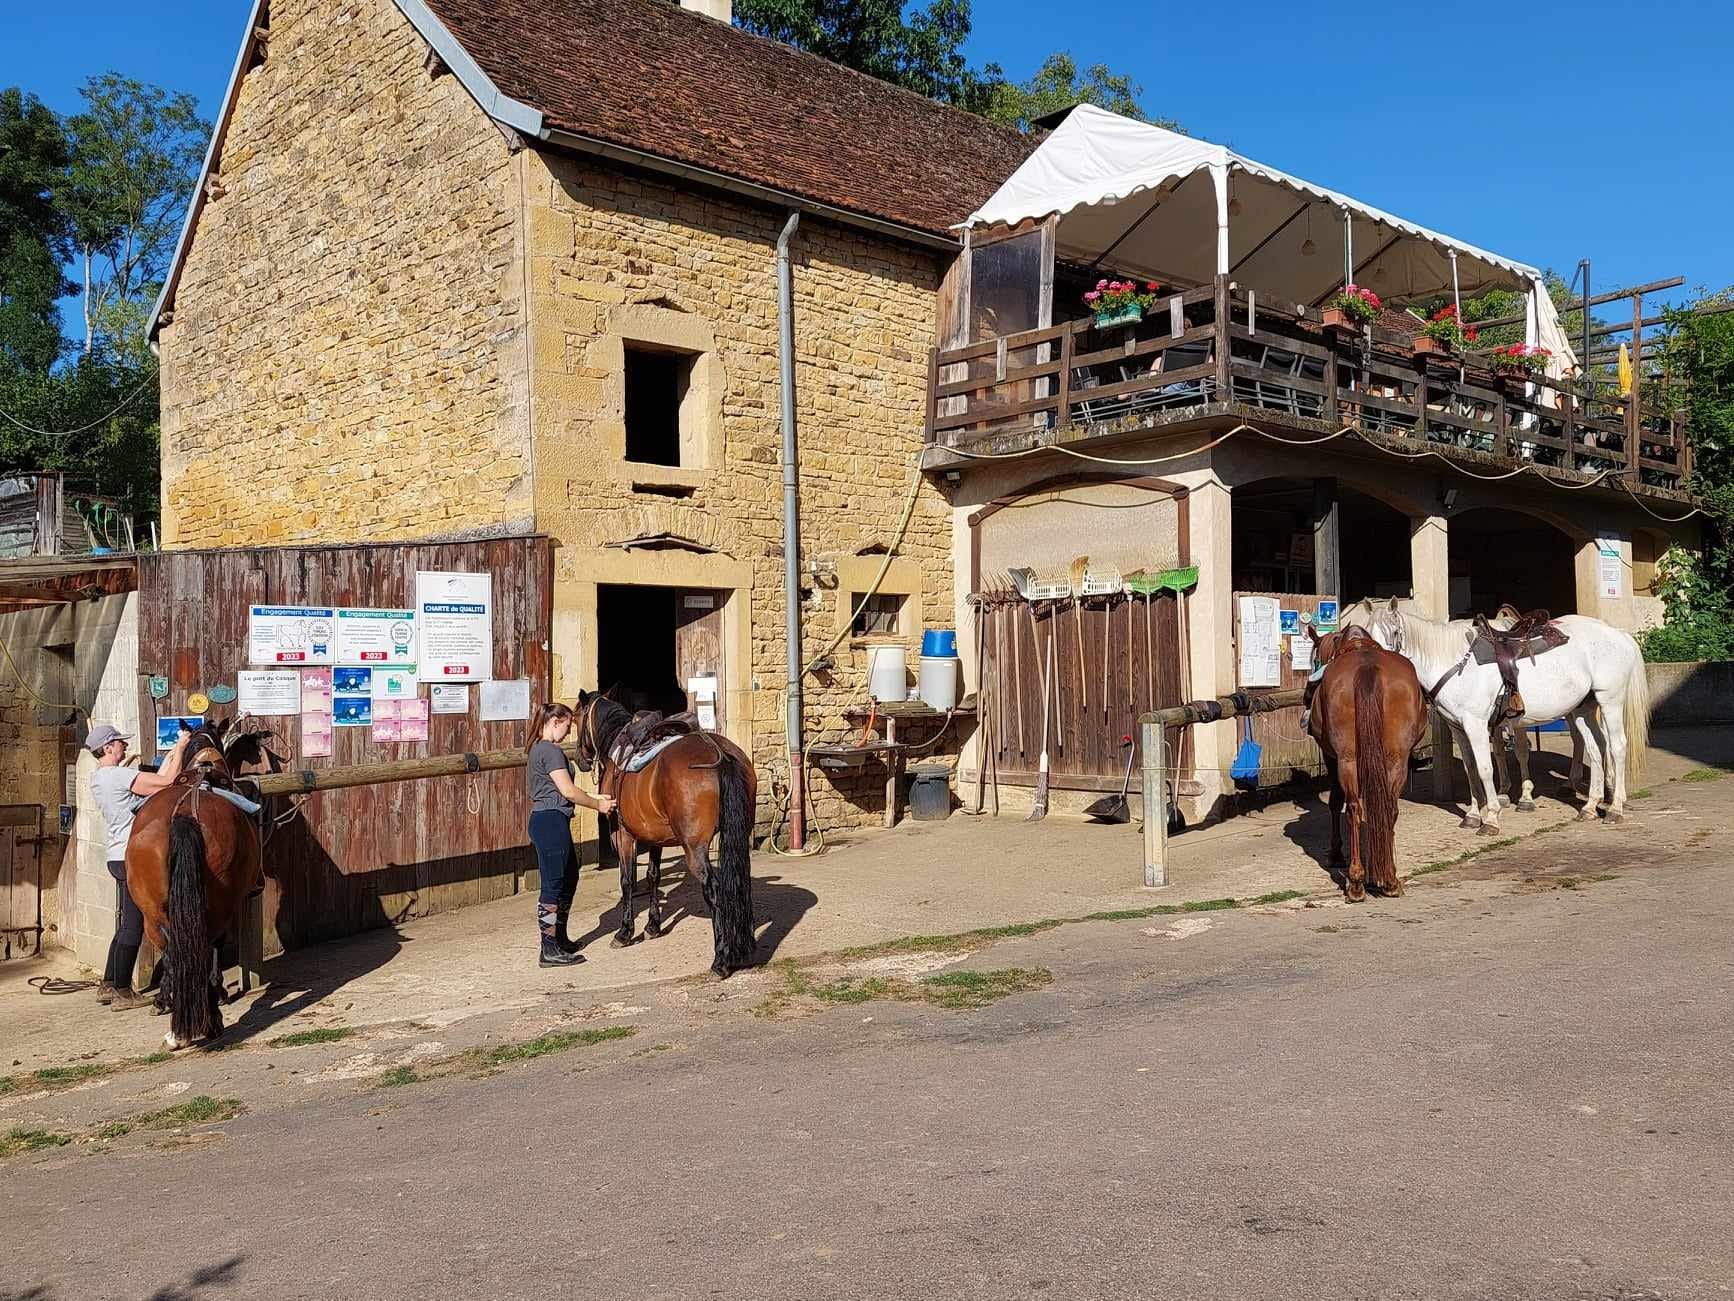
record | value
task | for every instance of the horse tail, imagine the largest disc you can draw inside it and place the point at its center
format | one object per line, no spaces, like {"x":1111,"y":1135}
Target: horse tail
{"x":187,"y":965}
{"x":732,"y":881}
{"x":1637,"y":719}
{"x":1373,"y":776}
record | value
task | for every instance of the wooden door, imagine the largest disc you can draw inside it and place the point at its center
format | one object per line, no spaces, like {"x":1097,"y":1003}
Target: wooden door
{"x":20,"y":884}
{"x":698,"y":652}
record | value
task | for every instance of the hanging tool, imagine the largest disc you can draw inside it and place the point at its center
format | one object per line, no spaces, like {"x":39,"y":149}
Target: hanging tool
{"x":1039,"y":809}
{"x":1129,"y":701}
{"x":1080,"y":567}
{"x":981,"y":704}
{"x":1113,"y":808}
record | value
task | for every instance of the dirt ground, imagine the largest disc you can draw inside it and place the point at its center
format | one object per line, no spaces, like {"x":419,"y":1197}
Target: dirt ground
{"x":919,"y":879}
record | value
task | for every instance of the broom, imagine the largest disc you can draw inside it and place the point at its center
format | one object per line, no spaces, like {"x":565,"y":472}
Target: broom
{"x":1039,"y":809}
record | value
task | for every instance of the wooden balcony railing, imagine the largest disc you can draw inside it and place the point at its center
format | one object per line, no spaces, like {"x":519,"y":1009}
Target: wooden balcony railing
{"x":1280,"y":359}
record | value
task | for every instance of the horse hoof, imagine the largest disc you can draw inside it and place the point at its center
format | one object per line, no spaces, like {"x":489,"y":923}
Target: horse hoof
{"x":1469,"y":822}
{"x":652,"y":931}
{"x":1526,"y":806}
{"x":1355,"y":894}
{"x":1613,"y":816}
{"x":1585,"y":815}
{"x":1488,"y":829}
{"x":1393,"y":891}
{"x":621,"y":940}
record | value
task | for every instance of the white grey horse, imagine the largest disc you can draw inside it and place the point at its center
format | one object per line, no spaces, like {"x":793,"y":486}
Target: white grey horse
{"x":1599,"y":666}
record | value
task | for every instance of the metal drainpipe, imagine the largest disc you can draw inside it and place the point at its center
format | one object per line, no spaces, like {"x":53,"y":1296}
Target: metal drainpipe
{"x":791,"y":533}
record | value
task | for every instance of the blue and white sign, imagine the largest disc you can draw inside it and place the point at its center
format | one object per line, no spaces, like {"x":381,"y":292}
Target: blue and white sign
{"x":1290,"y":622}
{"x":369,"y":636}
{"x":170,"y":727}
{"x":455,"y":623}
{"x":1325,"y":620}
{"x":290,"y":634}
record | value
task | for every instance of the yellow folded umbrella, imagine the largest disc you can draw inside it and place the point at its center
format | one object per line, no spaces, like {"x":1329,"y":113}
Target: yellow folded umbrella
{"x":1625,"y":372}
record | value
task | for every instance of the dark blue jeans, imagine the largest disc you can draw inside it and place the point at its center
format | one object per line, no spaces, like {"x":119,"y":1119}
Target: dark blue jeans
{"x":557,"y":859}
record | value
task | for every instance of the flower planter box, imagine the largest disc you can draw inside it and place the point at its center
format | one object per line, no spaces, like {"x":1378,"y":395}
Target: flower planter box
{"x":1336,"y":319}
{"x":1131,"y":314}
{"x":1424,"y":344}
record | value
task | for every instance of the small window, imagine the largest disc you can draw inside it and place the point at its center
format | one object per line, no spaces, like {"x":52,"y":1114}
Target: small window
{"x":657,"y":384}
{"x":881,"y":616}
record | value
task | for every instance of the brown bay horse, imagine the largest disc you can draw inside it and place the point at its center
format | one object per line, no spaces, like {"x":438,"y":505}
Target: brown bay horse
{"x":700,"y":785}
{"x":193,"y":860}
{"x":1368,"y":712}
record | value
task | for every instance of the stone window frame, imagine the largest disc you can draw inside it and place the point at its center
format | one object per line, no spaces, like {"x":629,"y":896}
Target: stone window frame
{"x":855,"y":575}
{"x":667,"y":329}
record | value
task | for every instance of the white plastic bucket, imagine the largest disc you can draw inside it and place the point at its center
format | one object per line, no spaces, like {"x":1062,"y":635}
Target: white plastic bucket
{"x":939,"y":681}
{"x":887,"y":673}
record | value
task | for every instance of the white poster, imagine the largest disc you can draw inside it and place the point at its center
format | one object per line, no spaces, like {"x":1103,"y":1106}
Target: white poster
{"x":455,"y":623}
{"x":1611,"y":573}
{"x":269,"y":693}
{"x":395,"y":683}
{"x":506,"y":701}
{"x":1260,"y":641}
{"x":1300,"y":654}
{"x":366,"y":636}
{"x":290,"y":634}
{"x":449,"y":697}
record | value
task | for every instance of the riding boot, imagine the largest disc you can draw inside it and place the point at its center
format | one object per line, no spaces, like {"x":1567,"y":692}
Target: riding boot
{"x":563,"y":938}
{"x":553,"y":955}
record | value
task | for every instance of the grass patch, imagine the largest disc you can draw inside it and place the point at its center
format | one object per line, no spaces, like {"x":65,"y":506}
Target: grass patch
{"x":1209,"y":905}
{"x":54,"y":1078}
{"x":851,"y":989}
{"x":195,"y":1111}
{"x":1505,"y":842}
{"x":961,"y":990}
{"x":1704,"y":775}
{"x":558,"y":1042}
{"x":1644,"y":794}
{"x":397,"y":1077}
{"x":1277,"y":896}
{"x":114,"y":1129}
{"x":18,"y":1139}
{"x":328,"y":1034}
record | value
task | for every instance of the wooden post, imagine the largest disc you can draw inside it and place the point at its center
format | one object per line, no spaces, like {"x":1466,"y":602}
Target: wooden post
{"x":1634,"y":400}
{"x":1568,"y":403}
{"x":932,"y":392}
{"x":1066,"y":348}
{"x":252,"y":941}
{"x":1224,"y":347}
{"x":1152,"y":738}
{"x":1327,"y":524}
{"x":893,"y":771}
{"x":49,"y":504}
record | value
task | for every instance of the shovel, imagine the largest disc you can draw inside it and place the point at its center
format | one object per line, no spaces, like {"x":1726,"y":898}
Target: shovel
{"x":1039,"y":809}
{"x":1113,"y":808}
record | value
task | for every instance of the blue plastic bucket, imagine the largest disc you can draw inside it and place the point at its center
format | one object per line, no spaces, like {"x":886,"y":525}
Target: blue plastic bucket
{"x":939,"y":643}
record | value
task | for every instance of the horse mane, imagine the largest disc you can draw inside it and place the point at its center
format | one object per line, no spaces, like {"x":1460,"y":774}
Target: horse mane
{"x":610,"y":716}
{"x":1426,"y":637}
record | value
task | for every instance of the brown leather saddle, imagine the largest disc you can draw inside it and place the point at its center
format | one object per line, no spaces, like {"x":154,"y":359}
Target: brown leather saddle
{"x":646,"y":729}
{"x":1528,"y":636}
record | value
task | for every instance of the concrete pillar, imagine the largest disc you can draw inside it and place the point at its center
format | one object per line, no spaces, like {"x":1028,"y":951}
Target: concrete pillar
{"x":1210,"y":615}
{"x":1430,"y":576}
{"x":1430,"y":565}
{"x":1595,"y":599}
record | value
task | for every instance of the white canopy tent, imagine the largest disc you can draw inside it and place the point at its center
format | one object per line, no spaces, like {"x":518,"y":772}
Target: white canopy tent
{"x":1149,"y":202}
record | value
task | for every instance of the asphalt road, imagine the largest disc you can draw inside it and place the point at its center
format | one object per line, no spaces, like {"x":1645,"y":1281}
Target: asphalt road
{"x":1492,"y":1088}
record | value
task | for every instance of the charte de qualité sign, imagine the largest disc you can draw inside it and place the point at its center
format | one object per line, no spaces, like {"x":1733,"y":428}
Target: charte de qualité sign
{"x":455,"y":626}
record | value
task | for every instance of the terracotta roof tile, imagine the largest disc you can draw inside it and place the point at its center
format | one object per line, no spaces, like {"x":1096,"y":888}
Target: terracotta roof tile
{"x":650,"y":76}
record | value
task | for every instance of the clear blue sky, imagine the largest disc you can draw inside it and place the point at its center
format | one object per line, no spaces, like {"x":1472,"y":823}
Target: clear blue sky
{"x":1548,"y":131}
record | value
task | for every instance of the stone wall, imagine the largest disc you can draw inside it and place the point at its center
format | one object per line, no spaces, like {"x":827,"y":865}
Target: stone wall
{"x":620,"y":258}
{"x":40,"y":642}
{"x":345,"y":360}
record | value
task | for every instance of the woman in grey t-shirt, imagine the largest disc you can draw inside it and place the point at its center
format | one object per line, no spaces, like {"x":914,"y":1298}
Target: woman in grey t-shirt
{"x":119,"y":791}
{"x":552,"y":795}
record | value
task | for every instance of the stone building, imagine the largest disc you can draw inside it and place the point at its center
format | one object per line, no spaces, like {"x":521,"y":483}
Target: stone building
{"x":462,"y":269}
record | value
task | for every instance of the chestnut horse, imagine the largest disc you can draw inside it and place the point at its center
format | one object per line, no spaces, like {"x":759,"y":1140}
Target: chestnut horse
{"x":1368,"y":712}
{"x":192,"y":861}
{"x":702,"y":783}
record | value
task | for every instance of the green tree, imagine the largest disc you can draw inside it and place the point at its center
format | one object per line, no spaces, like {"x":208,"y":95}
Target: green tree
{"x":33,"y":233}
{"x":136,"y":151}
{"x":923,"y":51}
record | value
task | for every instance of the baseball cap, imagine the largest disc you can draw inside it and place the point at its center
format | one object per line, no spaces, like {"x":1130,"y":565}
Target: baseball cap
{"x":101,"y":735}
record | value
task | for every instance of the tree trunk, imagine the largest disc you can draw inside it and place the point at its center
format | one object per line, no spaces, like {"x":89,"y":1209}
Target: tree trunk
{"x":87,"y":329}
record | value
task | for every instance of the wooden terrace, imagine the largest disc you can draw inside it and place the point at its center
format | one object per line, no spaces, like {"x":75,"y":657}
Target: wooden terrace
{"x":1283,"y":368}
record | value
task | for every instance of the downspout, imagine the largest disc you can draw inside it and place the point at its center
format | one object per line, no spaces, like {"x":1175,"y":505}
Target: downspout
{"x":791,"y":533}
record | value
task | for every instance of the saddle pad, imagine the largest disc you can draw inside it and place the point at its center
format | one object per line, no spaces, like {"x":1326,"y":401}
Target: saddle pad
{"x":644,"y":756}
{"x":1484,"y":649}
{"x":239,"y":800}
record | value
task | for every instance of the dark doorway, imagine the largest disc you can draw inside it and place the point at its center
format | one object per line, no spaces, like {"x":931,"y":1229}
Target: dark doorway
{"x":1501,"y":556}
{"x":636,"y":645}
{"x":1273,"y":542}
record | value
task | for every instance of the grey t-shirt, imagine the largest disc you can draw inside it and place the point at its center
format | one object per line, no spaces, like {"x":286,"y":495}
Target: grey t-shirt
{"x":546,"y":758}
{"x":115,"y":796}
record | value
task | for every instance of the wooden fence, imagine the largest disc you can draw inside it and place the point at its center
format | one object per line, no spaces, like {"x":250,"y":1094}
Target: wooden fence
{"x":368,"y":856}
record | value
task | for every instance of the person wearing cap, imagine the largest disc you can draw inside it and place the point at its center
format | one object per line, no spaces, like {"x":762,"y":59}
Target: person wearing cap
{"x":120,"y":791}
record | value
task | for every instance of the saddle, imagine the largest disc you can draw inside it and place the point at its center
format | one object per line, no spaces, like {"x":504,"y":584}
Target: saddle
{"x":1529,"y":635}
{"x":641,"y":739}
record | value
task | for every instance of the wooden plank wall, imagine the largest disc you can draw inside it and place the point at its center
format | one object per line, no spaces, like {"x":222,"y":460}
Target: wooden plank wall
{"x":1287,"y":749}
{"x":1084,"y":751}
{"x":371,"y":856}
